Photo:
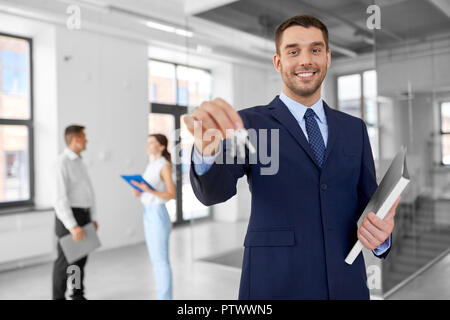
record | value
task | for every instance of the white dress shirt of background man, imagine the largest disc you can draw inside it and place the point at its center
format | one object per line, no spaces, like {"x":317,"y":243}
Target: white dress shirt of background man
{"x":74,"y":207}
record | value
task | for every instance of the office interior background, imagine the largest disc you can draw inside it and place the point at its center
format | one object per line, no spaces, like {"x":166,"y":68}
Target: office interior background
{"x":127,"y":68}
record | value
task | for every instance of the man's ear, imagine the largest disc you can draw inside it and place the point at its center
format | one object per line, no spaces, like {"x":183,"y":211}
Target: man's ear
{"x":276,"y":62}
{"x":328,"y":58}
{"x":75,"y":138}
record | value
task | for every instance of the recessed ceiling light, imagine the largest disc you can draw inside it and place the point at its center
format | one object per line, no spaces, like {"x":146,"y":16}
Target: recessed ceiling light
{"x":171,"y":29}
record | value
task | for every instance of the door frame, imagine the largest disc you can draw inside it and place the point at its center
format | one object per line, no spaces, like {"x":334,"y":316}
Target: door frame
{"x":177,"y":111}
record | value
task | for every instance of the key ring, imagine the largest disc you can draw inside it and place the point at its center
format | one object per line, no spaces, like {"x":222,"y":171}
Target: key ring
{"x":241,"y":139}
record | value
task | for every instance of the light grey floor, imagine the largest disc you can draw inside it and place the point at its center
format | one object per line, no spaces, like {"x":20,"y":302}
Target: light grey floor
{"x":204,"y":258}
{"x":126,"y":273}
{"x":432,"y":284}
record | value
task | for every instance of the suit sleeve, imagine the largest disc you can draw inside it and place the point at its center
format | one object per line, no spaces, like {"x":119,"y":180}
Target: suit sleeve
{"x":202,"y":163}
{"x":367,"y":186}
{"x":218,"y":183}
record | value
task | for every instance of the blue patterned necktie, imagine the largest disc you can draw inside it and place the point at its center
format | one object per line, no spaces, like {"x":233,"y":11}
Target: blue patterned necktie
{"x":314,"y":136}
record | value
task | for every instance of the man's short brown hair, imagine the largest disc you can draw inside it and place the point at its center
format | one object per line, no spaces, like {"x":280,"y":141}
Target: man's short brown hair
{"x":71,"y":131}
{"x":304,"y":21}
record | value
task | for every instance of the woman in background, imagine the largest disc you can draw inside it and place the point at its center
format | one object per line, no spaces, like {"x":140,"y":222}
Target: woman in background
{"x":157,"y":223}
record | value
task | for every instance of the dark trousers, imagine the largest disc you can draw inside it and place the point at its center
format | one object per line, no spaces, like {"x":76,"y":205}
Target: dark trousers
{"x":82,"y":216}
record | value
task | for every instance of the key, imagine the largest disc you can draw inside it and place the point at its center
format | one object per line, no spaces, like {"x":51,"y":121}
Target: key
{"x":242,"y":140}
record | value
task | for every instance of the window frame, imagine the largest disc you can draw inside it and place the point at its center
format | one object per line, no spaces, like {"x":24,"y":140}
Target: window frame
{"x":178,"y":111}
{"x":361,"y":74}
{"x":442,"y":133}
{"x":28,"y":123}
{"x":361,"y":103}
{"x":175,"y":64}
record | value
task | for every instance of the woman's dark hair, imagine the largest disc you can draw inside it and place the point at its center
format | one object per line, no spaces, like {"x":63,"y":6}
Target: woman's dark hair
{"x":162,"y":141}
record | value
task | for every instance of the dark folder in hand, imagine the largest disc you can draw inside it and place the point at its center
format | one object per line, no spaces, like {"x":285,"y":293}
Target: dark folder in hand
{"x":137,"y":178}
{"x":74,"y":250}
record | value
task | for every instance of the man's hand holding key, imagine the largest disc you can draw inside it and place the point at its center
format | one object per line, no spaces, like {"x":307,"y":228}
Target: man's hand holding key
{"x":217,"y":115}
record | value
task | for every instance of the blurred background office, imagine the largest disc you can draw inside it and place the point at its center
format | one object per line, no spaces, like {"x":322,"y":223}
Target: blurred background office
{"x":128,"y":68}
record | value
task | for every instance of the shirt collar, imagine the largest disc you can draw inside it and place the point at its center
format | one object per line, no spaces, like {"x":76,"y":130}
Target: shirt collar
{"x":72,"y":155}
{"x":299,"y":110}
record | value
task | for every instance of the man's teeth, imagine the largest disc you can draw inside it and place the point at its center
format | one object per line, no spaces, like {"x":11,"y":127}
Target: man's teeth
{"x":305,"y":75}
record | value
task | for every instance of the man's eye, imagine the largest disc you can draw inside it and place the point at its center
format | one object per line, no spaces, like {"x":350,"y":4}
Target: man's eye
{"x":316,"y":50}
{"x":293,"y":52}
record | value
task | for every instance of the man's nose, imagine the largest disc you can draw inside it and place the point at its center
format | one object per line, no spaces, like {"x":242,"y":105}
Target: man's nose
{"x":305,"y":58}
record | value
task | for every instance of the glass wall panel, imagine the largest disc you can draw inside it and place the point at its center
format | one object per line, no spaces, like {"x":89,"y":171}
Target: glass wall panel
{"x":413,"y":93}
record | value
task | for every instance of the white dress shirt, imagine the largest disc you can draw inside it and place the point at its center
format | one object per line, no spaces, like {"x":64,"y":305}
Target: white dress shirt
{"x":73,"y":188}
{"x":298,"y":110}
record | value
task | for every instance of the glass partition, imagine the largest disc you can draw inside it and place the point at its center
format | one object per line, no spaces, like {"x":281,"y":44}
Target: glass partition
{"x":413,"y":111}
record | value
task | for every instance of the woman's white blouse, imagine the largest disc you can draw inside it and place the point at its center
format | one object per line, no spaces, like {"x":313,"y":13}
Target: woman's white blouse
{"x":152,"y":175}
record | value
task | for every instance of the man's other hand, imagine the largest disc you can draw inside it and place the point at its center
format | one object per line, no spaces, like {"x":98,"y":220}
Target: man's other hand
{"x":77,"y":234}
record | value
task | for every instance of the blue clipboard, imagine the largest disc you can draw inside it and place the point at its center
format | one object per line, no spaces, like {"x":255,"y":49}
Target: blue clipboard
{"x":137,"y":178}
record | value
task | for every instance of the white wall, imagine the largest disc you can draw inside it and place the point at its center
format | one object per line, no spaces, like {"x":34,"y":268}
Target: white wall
{"x":100,"y":82}
{"x":255,"y":86}
{"x":26,"y":238}
{"x":103,"y":85}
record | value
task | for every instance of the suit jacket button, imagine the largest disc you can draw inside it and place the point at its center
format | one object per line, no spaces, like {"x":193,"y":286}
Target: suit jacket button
{"x":323,"y":186}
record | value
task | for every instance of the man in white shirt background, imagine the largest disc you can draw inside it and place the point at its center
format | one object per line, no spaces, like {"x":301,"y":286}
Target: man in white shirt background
{"x":74,"y":207}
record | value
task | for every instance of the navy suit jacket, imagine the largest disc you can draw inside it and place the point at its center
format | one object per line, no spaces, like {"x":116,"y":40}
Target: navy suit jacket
{"x":303,"y":219}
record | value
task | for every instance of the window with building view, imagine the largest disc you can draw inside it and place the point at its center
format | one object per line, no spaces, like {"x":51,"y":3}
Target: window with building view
{"x":15,"y":121}
{"x":357,"y":96}
{"x":178,"y":85}
{"x":445,"y":132}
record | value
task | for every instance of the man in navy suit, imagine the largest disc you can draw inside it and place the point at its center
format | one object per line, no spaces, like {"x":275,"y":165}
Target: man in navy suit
{"x":304,"y":217}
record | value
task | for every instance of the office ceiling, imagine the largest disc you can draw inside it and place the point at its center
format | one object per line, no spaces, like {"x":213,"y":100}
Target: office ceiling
{"x":245,"y":28}
{"x":401,"y":20}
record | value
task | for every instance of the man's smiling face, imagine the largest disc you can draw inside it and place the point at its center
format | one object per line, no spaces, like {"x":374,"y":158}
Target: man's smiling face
{"x":303,"y":60}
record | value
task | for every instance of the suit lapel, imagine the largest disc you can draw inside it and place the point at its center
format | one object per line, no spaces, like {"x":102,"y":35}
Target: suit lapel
{"x":284,"y":116}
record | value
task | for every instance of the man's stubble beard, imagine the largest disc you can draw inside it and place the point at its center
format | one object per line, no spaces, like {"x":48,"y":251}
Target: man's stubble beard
{"x":289,"y":81}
